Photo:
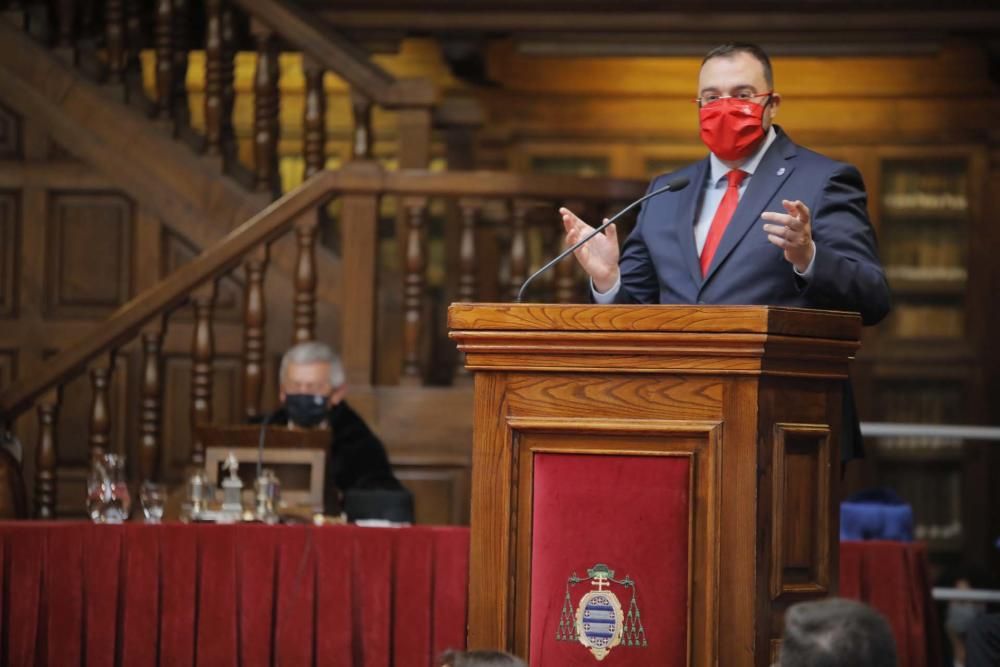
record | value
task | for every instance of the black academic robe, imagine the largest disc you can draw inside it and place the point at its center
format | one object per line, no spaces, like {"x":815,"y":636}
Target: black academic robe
{"x":356,"y":458}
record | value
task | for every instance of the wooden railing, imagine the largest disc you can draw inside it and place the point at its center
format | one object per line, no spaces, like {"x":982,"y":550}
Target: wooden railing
{"x":501,"y":201}
{"x":106,"y":38}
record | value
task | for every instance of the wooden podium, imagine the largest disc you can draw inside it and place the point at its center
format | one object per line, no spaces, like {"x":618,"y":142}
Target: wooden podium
{"x":696,"y":447}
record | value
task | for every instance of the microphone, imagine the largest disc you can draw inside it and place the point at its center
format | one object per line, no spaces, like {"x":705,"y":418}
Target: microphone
{"x":260,"y":443}
{"x":672,"y":186}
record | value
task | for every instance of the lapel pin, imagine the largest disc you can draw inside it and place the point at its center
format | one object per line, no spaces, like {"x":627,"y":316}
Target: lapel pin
{"x":781,"y":171}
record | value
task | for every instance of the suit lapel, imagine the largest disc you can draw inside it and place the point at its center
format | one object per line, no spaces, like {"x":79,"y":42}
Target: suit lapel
{"x":771,"y":172}
{"x":687,"y":209}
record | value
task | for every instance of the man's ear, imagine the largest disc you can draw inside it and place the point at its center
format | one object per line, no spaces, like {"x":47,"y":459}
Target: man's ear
{"x":282,"y":395}
{"x":338,"y":395}
{"x":772,"y":108}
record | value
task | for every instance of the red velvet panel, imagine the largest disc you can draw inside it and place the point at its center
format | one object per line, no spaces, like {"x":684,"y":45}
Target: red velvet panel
{"x":414,"y":576}
{"x":373,"y":595}
{"x":75,"y":593}
{"x":178,"y":606}
{"x":450,"y":601}
{"x":295,"y":624}
{"x":893,"y":578}
{"x":64,"y":567}
{"x":256,"y":577}
{"x":101,"y":577}
{"x":140,"y":625}
{"x":26,"y":556}
{"x":216,"y":624}
{"x":630,"y":513}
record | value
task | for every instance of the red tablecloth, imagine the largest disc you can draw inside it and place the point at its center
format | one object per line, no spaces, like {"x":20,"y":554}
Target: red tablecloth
{"x":75,"y":593}
{"x":893,"y":577}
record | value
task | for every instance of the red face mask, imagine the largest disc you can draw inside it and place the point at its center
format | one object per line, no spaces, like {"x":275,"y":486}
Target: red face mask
{"x":732,"y":128}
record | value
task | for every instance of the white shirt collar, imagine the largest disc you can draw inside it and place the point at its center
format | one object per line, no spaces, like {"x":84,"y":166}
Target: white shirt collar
{"x":719,"y":170}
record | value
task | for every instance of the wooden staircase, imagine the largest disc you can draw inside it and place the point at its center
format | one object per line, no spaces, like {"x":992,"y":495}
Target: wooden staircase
{"x":198,"y":343}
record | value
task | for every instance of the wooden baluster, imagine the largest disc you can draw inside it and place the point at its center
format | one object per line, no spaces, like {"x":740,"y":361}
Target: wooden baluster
{"x":361,"y":139}
{"x":85,"y":23}
{"x":518,"y":247}
{"x":227,"y":74}
{"x":181,"y":45}
{"x":100,"y":411}
{"x":65,"y":45}
{"x":314,"y":119}
{"x":214,"y":55}
{"x":254,"y":328}
{"x":413,"y":287}
{"x":467,"y":265}
{"x":265,"y":117}
{"x":114,"y":36}
{"x":150,"y":404}
{"x":46,"y":456}
{"x":133,"y":35}
{"x":305,"y":277}
{"x":14,"y":13}
{"x":202,"y":358}
{"x":164,"y":46}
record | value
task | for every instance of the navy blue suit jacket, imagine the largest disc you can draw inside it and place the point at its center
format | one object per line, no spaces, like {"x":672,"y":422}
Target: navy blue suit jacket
{"x":659,"y":261}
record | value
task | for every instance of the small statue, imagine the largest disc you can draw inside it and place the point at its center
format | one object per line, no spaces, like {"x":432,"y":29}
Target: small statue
{"x":232,"y":486}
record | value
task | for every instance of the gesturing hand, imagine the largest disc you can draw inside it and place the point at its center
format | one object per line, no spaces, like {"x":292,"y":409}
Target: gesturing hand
{"x":792,"y":232}
{"x":599,"y":255}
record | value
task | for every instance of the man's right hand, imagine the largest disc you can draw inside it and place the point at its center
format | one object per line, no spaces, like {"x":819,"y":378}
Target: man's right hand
{"x":599,"y":256}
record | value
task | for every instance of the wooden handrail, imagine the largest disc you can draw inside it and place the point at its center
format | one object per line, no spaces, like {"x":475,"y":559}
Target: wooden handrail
{"x":358,"y":178}
{"x":332,"y":51}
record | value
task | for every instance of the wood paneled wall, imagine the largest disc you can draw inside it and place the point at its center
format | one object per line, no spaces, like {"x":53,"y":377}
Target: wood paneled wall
{"x":73,"y":248}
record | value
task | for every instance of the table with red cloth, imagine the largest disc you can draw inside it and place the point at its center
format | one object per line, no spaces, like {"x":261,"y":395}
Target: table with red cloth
{"x":176,"y":594}
{"x":76,"y":593}
{"x":894,"y":578}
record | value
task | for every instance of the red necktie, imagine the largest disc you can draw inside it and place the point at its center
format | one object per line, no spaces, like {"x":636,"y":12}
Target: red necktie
{"x":723,"y":215}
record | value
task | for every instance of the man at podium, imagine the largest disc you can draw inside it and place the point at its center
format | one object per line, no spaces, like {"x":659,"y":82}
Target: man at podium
{"x":765,"y":221}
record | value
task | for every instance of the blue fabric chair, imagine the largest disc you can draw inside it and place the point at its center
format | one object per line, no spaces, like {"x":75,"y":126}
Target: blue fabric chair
{"x":876,"y":514}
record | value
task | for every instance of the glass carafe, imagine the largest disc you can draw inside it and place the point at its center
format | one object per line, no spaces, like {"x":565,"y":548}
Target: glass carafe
{"x":108,"y":498}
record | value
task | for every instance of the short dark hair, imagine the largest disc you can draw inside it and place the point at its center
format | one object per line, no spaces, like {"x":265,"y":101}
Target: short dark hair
{"x":479,"y":659}
{"x":836,"y":633}
{"x":730,"y":49}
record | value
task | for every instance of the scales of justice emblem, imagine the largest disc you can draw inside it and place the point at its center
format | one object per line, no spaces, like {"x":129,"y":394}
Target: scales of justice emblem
{"x":598,"y":621}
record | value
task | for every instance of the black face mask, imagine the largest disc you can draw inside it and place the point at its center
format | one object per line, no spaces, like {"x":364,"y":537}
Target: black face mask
{"x":306,"y":410}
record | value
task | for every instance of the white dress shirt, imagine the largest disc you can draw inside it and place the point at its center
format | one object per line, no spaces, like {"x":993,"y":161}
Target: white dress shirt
{"x":714,"y":189}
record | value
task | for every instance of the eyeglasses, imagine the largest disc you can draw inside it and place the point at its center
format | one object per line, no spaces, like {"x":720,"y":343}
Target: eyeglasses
{"x":746,"y":96}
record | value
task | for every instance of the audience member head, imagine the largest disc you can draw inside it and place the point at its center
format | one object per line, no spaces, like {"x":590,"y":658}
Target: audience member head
{"x":312,"y":381}
{"x":836,"y":633}
{"x":479,"y":659}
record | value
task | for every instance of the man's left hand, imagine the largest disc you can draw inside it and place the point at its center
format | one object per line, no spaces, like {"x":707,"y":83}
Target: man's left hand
{"x":792,"y":232}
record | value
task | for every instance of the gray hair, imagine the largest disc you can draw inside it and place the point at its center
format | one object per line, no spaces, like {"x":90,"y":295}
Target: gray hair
{"x":313,"y":352}
{"x":836,"y":633}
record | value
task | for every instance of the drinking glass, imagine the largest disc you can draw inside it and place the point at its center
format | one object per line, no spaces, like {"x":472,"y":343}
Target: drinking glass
{"x":108,"y":499}
{"x":153,"y":497}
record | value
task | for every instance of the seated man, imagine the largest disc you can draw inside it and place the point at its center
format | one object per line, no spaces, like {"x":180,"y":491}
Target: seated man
{"x":312,"y":395}
{"x":836,"y":633}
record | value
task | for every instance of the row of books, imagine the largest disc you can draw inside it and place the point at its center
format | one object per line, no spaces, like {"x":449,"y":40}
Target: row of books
{"x":923,"y":246}
{"x":950,"y":531}
{"x":935,"y":493}
{"x":901,"y":203}
{"x":920,"y":444}
{"x":927,"y":321}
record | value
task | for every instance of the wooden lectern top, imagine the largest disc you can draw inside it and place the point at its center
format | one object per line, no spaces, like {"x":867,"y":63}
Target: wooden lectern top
{"x":755,"y":340}
{"x":805,"y":322}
